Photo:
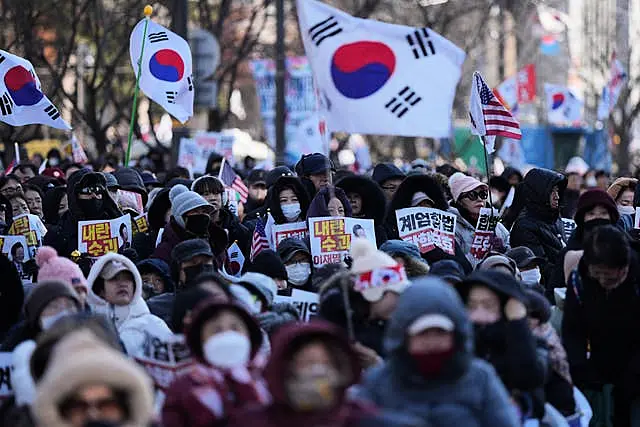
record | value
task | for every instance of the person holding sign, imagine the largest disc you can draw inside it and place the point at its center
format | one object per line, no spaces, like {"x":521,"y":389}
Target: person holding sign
{"x":88,"y":200}
{"x":330,"y":201}
{"x":367,"y":201}
{"x":296,"y":256}
{"x":469,"y":197}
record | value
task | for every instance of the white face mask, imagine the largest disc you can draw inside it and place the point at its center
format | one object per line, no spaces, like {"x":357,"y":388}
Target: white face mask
{"x":531,"y":277}
{"x":48,"y":321}
{"x":291,"y":211}
{"x":626,"y":210}
{"x":299,"y":273}
{"x":227,"y":350}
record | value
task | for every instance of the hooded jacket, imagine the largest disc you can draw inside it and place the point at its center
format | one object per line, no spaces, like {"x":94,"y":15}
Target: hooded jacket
{"x":467,"y":392}
{"x":130,"y":180}
{"x":272,"y":201}
{"x":11,"y":298}
{"x":280,"y":413}
{"x":50,"y":204}
{"x":81,"y":359}
{"x":133,"y":320}
{"x":374,"y":203}
{"x":539,"y":227}
{"x":64,"y":237}
{"x":287,"y":249}
{"x":402,"y":199}
{"x":159,"y":267}
{"x":320,"y":204}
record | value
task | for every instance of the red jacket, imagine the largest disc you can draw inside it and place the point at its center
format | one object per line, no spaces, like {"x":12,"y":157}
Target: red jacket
{"x":207,"y":396}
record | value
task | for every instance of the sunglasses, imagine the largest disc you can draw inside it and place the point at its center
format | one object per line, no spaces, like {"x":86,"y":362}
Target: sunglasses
{"x":80,"y":406}
{"x":95,"y":189}
{"x":475,"y":195}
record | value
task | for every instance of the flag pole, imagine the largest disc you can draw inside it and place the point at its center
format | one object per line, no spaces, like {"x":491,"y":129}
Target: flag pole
{"x":148,"y":10}
{"x":486,"y":166}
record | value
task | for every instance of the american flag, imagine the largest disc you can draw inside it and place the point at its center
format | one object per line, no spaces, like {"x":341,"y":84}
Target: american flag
{"x":488,"y":116}
{"x":231,"y":179}
{"x":259,"y":241}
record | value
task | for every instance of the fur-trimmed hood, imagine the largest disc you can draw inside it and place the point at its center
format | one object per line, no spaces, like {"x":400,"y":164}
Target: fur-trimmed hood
{"x":272,"y":202}
{"x":373,"y":200}
{"x":81,"y":359}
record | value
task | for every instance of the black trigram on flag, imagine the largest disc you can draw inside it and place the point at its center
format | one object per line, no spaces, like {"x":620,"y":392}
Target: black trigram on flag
{"x":2,"y":58}
{"x":6,"y":104}
{"x":158,"y":37}
{"x":324,"y":29}
{"x":420,"y":43}
{"x":401,"y":103}
{"x":171,"y":97}
{"x":52,"y":112}
{"x":190,"y":82}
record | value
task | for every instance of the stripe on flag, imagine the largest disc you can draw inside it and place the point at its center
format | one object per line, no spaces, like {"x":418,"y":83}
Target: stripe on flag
{"x":259,"y":241}
{"x":232,"y":180}
{"x":497,"y":119}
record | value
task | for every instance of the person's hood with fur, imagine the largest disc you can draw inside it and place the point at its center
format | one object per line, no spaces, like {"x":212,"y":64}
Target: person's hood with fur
{"x":374,"y":202}
{"x":272,"y":202}
{"x":81,"y":359}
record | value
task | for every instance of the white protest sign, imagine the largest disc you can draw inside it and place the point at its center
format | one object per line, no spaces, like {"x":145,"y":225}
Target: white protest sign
{"x":32,"y":228}
{"x":99,"y":237}
{"x":636,"y":223}
{"x":485,"y":229}
{"x":296,"y":230}
{"x":427,"y":228}
{"x":6,"y":368}
{"x":194,"y":152}
{"x":331,"y":237}
{"x":569,"y":226}
{"x":307,"y":303}
{"x":16,"y":249}
{"x":164,"y":359}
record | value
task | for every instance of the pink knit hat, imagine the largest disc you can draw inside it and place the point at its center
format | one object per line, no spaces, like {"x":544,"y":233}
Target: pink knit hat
{"x":461,"y":183}
{"x":54,"y":267}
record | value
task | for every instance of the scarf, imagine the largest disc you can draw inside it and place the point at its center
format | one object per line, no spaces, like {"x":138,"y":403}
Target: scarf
{"x":557,"y":353}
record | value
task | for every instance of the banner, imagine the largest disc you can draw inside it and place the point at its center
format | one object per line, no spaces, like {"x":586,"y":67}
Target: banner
{"x":517,"y":89}
{"x":427,"y":228}
{"x":485,"y":229}
{"x":164,"y":359}
{"x":569,"y":226}
{"x":307,"y":303}
{"x":280,"y":232}
{"x":6,"y":368}
{"x":331,"y":237}
{"x":194,"y":152}
{"x":141,"y":224}
{"x":99,"y":237}
{"x":300,"y":101}
{"x":32,"y":228}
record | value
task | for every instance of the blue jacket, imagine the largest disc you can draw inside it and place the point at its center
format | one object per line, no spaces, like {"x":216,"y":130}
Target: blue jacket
{"x":466,"y":393}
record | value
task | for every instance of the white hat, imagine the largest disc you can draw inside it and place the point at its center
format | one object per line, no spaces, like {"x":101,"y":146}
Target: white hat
{"x":419,"y":197}
{"x":431,"y":321}
{"x":375,"y":271}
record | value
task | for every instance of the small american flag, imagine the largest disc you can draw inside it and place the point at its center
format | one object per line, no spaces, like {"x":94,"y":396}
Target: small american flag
{"x":231,"y":179}
{"x":259,"y":241}
{"x":488,"y":116}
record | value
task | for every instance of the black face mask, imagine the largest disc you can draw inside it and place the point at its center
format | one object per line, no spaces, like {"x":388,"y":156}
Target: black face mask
{"x":197,"y":224}
{"x":191,"y":273}
{"x":91,"y":208}
{"x":589,"y":226}
{"x":489,"y":338}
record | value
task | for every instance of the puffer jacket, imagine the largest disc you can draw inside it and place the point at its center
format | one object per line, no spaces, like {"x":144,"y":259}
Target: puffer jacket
{"x":467,"y":391}
{"x":539,"y":227}
{"x":133,"y":320}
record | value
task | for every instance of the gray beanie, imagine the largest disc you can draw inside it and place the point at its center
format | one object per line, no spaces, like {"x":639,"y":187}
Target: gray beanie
{"x":191,"y":248}
{"x":260,"y":284}
{"x":183,"y":200}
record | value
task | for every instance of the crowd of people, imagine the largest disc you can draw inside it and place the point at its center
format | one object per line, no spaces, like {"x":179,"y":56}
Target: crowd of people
{"x":540,"y":331}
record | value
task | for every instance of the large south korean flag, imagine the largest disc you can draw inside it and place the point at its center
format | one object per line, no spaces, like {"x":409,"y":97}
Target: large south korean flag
{"x":166,"y":71}
{"x":379,"y":78}
{"x":21,"y":99}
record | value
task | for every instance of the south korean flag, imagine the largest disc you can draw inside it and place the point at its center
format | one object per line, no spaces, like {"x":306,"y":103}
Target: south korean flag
{"x":166,"y":68}
{"x":21,"y":99}
{"x":379,"y":78}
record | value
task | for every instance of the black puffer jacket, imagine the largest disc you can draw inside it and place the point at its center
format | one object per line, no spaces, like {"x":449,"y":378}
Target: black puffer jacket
{"x":64,"y":237}
{"x":272,"y":202}
{"x":235,"y":230}
{"x":539,"y":227}
{"x":402,"y":199}
{"x":374,"y":203}
{"x":11,"y":297}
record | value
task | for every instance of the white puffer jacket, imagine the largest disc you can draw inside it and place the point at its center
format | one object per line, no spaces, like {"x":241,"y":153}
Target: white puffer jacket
{"x":131,"y":320}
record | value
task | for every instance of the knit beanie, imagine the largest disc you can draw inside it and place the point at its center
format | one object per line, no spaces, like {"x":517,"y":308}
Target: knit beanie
{"x":592,"y":198}
{"x":461,"y":183}
{"x":42,"y":294}
{"x":183,"y":200}
{"x":260,"y":284}
{"x":269,"y":263}
{"x":53,"y":267}
{"x":385,"y":171}
{"x":375,"y":271}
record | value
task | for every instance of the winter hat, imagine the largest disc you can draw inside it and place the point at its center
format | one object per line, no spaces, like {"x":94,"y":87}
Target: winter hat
{"x":401,"y":248}
{"x":274,"y":174}
{"x":80,"y":359}
{"x":43,"y":294}
{"x":375,"y":271}
{"x":420,"y":197}
{"x":269,"y":263}
{"x":53,"y":267}
{"x":620,"y":185}
{"x":461,"y":183}
{"x":538,"y":306}
{"x":448,"y":270}
{"x":261,"y":285}
{"x":148,"y":179}
{"x":311,"y":164}
{"x":291,"y":246}
{"x":494,"y":261}
{"x":386,"y":171}
{"x":592,"y":198}
{"x":112,"y":181}
{"x":183,"y":200}
{"x":56,"y":173}
{"x":188,"y":249}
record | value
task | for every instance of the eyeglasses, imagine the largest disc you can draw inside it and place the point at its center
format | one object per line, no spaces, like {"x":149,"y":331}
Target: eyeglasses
{"x":96,"y":189}
{"x":74,"y":406}
{"x":475,"y":195}
{"x":10,"y":190}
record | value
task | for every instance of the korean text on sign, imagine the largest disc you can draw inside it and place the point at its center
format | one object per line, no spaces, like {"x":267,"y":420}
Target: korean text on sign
{"x":296,"y":230}
{"x":427,"y":228}
{"x":307,"y":303}
{"x":97,"y":238}
{"x":164,"y":360}
{"x":485,"y":229}
{"x":331,"y":237}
